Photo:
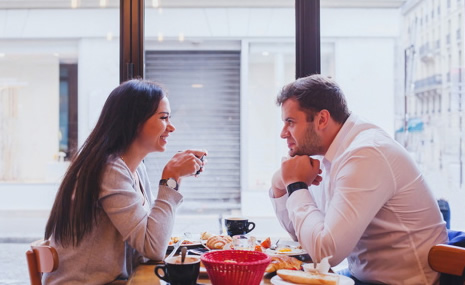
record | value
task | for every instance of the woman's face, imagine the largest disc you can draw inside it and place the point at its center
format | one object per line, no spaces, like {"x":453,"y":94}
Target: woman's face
{"x":155,"y":131}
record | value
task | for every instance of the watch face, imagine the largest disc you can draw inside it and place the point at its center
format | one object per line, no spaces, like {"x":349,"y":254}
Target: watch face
{"x":172,"y":183}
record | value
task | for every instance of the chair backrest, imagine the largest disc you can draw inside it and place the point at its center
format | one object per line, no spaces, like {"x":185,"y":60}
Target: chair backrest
{"x":447,"y":259}
{"x":41,"y":258}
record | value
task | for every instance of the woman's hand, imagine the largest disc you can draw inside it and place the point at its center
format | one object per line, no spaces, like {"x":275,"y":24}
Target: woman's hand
{"x":185,"y":163}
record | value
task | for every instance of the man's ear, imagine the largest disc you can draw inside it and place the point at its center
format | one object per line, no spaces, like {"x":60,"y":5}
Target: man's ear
{"x":322,"y":119}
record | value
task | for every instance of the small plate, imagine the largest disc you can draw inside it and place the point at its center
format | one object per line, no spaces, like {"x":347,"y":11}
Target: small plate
{"x":194,"y":242}
{"x":290,"y":251}
{"x":343,"y":280}
{"x":291,"y":248}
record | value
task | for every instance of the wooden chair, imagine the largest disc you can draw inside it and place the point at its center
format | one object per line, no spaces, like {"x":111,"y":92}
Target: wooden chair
{"x":448,"y":259}
{"x":41,"y":258}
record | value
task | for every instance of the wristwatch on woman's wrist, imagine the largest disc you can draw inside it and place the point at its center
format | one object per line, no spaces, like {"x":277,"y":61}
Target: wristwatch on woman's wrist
{"x":170,"y":182}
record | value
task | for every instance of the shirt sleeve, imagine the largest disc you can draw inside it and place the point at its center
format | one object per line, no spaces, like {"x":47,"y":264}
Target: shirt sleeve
{"x":359,"y":187}
{"x":279,"y":206}
{"x":148,"y":233}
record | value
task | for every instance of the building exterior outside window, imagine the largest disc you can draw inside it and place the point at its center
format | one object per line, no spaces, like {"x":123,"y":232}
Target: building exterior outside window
{"x":434,"y":97}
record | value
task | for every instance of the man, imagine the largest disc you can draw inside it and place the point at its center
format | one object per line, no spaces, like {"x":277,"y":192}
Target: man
{"x":368,"y":203}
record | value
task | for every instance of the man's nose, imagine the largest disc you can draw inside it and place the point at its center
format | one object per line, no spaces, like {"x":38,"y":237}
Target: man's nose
{"x":284,"y":133}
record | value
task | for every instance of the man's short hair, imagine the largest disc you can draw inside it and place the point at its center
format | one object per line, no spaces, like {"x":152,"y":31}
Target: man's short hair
{"x":315,"y":93}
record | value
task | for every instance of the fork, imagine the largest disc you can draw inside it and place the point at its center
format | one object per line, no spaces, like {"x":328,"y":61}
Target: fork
{"x":275,"y":245}
{"x":175,"y":248}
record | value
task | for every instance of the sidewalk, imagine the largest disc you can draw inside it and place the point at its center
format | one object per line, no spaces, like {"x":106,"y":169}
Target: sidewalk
{"x":22,"y":226}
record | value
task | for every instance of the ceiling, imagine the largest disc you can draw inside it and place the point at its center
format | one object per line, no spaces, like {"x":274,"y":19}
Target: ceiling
{"x":63,"y":4}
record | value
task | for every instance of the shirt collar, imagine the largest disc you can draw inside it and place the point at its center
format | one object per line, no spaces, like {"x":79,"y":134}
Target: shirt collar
{"x":338,"y":140}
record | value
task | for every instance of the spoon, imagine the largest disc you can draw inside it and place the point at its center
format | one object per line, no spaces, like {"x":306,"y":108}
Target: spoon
{"x":183,"y":253}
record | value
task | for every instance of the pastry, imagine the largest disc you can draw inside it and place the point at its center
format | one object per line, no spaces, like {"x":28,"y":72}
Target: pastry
{"x":218,"y":242}
{"x":205,"y":235}
{"x":283,"y":262}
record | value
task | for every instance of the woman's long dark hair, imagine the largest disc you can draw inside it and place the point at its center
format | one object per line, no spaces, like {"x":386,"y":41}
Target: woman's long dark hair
{"x":75,"y":209}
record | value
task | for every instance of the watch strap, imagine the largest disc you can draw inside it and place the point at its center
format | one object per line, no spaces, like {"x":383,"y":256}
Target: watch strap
{"x":296,"y":186}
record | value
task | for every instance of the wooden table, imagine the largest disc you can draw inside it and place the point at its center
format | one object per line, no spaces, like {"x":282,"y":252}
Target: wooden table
{"x":144,"y":275}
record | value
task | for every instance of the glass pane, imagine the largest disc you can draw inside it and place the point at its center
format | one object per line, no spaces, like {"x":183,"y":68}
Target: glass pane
{"x":243,"y":155}
{"x":432,"y":125}
{"x":401,"y":67}
{"x":43,"y":47}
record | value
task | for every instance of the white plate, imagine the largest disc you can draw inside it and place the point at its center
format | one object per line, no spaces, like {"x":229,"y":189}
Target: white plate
{"x":343,"y":280}
{"x":192,"y":244}
{"x":195,"y":242}
{"x":294,"y":251}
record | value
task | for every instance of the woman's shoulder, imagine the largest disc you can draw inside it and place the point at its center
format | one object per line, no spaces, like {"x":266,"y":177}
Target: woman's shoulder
{"x":116,"y":166}
{"x":116,"y":174}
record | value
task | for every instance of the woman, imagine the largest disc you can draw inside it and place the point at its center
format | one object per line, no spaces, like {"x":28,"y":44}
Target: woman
{"x":104,"y":218}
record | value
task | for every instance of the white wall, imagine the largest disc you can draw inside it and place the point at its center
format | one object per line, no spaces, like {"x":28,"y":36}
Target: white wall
{"x":32,"y":131}
{"x":98,"y":73}
{"x":366,"y":59}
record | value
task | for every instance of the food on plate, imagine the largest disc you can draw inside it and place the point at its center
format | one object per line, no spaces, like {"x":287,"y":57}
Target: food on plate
{"x":258,"y":248}
{"x":266,"y":243}
{"x":174,"y":240}
{"x":205,"y":235}
{"x":284,"y":250}
{"x":283,"y":262}
{"x":301,"y":277}
{"x":218,"y":242}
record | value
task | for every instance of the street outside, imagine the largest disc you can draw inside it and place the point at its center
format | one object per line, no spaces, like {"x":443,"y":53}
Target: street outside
{"x":13,"y":266}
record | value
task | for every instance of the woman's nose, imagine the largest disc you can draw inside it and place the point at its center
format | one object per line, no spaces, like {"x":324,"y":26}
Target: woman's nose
{"x":171,"y":128}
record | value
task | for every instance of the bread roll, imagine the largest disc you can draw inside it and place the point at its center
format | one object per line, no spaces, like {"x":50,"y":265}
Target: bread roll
{"x":283,"y":262}
{"x":301,"y":277}
{"x":218,"y":242}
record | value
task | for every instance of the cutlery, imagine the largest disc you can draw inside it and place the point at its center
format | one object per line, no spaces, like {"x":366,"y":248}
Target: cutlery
{"x":188,"y":235}
{"x":275,"y":245}
{"x":183,"y":253}
{"x":175,"y":248}
{"x":204,"y":244}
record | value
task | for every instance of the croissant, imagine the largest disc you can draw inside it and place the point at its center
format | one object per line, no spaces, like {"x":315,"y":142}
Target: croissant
{"x":283,"y":262}
{"x":205,"y":235}
{"x":218,"y":242}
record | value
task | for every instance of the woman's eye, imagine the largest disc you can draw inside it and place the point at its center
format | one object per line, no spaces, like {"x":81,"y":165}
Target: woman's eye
{"x":165,"y":118}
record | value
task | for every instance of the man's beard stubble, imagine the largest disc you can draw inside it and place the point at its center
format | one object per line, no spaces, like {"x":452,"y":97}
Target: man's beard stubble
{"x":311,"y":144}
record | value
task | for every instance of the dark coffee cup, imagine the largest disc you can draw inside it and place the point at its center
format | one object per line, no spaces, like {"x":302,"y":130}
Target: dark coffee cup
{"x":238,"y":226}
{"x":177,"y":273}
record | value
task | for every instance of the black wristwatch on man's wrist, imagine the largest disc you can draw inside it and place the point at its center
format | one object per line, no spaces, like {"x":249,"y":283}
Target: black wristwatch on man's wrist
{"x":170,"y":182}
{"x":296,"y":186}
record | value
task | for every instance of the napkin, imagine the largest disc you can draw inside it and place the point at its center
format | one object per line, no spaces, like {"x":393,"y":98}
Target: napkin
{"x":322,"y":267}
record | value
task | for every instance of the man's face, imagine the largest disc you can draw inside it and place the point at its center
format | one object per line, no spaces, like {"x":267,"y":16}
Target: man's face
{"x":300,"y":134}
